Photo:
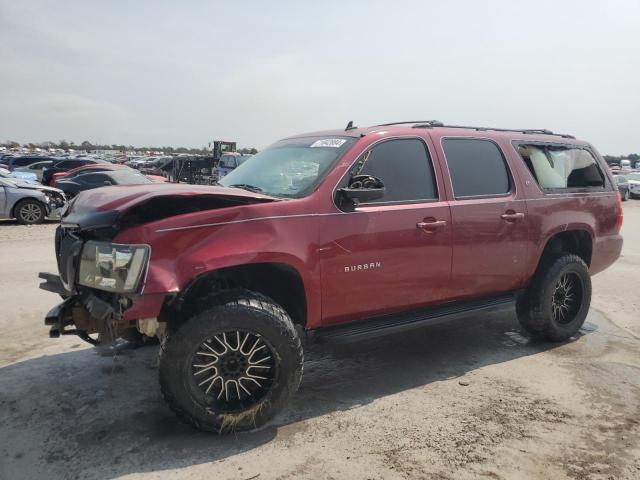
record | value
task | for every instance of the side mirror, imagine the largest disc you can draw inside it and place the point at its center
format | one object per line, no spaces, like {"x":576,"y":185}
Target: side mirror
{"x":363,"y":188}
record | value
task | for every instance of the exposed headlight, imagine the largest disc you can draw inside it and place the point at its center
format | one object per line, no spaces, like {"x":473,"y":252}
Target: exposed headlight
{"x":112,"y":267}
{"x":47,"y":198}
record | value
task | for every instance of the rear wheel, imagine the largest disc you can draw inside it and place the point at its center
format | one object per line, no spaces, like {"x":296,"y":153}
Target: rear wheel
{"x":557,"y":301}
{"x":233,"y":366}
{"x":29,"y":212}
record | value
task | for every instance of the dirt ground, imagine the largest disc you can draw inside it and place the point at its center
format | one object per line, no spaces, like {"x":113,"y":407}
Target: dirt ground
{"x":471,"y":399}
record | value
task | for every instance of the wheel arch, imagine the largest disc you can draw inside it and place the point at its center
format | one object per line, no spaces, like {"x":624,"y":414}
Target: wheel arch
{"x":281,"y":282}
{"x":578,"y":241}
{"x":20,"y":200}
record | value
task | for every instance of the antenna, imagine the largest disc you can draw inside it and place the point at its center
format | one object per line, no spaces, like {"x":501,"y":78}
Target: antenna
{"x":350,"y":126}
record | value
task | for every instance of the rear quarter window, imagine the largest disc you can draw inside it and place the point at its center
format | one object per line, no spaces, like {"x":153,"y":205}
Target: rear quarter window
{"x":561,"y":167}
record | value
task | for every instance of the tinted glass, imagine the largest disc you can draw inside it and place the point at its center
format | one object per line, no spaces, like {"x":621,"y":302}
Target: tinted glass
{"x":91,"y":179}
{"x":22,"y":162}
{"x":476,"y":167}
{"x":561,"y":167}
{"x":405,"y":169}
{"x":65,"y":164}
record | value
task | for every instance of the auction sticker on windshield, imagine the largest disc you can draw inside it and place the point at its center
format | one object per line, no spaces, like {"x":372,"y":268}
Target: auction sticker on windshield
{"x":329,"y":142}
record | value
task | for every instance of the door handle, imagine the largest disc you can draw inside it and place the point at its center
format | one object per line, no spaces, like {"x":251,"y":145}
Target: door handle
{"x":512,"y":217}
{"x":431,"y":224}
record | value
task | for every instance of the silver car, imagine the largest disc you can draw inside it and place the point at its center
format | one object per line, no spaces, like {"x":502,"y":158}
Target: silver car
{"x":29,"y":203}
{"x":35,"y":168}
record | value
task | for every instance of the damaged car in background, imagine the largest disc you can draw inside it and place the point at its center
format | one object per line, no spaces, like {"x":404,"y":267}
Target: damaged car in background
{"x":29,"y":203}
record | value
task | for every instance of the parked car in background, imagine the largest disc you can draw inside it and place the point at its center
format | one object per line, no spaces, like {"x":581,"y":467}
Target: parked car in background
{"x":85,"y":168}
{"x":623,"y":186}
{"x":88,"y":181}
{"x":625,"y":164}
{"x":16,"y":162}
{"x":35,"y":168}
{"x":29,"y":203}
{"x":24,"y":176}
{"x":634,"y":184}
{"x":65,"y":166}
{"x":157,"y":178}
{"x":229,"y":162}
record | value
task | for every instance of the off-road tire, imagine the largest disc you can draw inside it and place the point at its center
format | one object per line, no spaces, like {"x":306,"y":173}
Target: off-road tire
{"x":534,"y":308}
{"x":234,"y":310}
{"x":29,"y":212}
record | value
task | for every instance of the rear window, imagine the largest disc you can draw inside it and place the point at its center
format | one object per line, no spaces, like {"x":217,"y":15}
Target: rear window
{"x":477,"y":167}
{"x":561,"y":167}
{"x":23,"y":162}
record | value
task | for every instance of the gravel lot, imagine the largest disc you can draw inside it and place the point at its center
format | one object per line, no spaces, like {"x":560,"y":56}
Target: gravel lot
{"x":472,"y":399}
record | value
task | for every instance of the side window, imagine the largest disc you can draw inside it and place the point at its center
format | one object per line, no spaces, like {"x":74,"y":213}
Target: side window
{"x":477,"y":167}
{"x":404,"y":167}
{"x":21,"y":162}
{"x":561,"y":167}
{"x":92,"y":178}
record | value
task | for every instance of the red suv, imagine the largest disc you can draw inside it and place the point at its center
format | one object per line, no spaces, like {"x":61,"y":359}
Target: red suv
{"x":334,"y":235}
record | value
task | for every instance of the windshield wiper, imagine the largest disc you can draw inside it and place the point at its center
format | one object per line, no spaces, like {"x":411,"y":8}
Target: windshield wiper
{"x":246,"y":186}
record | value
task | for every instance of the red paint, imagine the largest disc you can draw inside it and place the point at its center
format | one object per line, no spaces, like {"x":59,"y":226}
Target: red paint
{"x":101,"y":166}
{"x":477,"y":252}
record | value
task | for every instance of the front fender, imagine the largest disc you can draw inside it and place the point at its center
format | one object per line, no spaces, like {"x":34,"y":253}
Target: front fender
{"x":179,"y":257}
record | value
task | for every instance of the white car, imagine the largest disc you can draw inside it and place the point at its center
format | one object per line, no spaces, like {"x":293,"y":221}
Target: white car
{"x":634,"y":184}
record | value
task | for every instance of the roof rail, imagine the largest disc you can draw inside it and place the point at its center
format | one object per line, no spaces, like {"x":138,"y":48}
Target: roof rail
{"x":432,"y":123}
{"x":436,"y":123}
{"x":532,"y":131}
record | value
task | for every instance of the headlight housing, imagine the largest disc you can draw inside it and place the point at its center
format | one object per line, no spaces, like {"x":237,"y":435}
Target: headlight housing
{"x":112,"y":267}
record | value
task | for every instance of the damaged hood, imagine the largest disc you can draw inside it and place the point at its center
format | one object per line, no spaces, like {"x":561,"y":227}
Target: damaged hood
{"x":33,"y":186}
{"x":137,"y":204}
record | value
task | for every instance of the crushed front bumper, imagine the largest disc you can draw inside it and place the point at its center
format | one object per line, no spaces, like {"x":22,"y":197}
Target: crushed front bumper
{"x":79,"y":314}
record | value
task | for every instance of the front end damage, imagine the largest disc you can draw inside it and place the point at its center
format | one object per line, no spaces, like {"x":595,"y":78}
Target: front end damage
{"x":85,"y":311}
{"x":82,"y":315}
{"x":102,"y":282}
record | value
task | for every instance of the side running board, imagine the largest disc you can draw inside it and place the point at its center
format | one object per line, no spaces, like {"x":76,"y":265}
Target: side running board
{"x":398,"y":322}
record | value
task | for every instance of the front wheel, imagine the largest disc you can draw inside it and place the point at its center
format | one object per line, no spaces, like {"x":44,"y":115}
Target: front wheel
{"x":30,"y":212}
{"x":233,"y":366}
{"x":556,"y":303}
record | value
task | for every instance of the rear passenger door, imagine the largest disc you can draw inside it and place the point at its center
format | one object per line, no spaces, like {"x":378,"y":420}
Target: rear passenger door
{"x":488,"y":218}
{"x":394,"y":253}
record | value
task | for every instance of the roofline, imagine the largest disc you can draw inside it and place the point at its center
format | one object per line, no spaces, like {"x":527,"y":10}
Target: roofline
{"x":436,"y":123}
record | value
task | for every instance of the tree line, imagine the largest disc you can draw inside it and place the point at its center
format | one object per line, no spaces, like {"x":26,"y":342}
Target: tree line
{"x":88,"y":146}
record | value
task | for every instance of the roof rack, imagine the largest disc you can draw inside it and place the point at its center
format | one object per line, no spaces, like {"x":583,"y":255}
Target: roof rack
{"x":531,"y":131}
{"x":436,"y":123}
{"x":431,"y":123}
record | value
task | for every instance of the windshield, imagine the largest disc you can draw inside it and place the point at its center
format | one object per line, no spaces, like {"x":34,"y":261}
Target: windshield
{"x":289,"y":168}
{"x":228,"y":161}
{"x":129,"y":177}
{"x":633,"y":176}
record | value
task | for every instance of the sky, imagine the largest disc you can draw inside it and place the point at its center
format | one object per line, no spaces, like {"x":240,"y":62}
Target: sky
{"x":151,"y":72}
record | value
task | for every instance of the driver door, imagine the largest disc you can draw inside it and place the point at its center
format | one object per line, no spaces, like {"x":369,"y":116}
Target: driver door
{"x":394,"y":253}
